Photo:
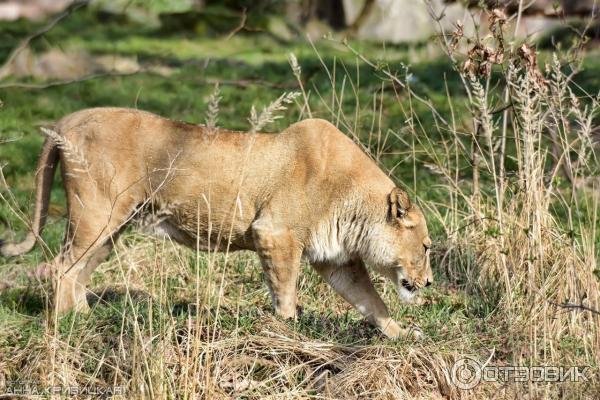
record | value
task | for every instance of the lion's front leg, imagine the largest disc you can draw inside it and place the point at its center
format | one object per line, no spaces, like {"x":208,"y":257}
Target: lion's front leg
{"x":280,"y":255}
{"x":353,"y":283}
{"x":69,"y":293}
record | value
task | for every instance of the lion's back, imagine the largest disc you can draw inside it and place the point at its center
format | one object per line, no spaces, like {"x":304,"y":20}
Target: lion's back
{"x":113,"y":119}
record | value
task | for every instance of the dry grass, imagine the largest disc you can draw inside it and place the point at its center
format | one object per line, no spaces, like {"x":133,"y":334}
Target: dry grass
{"x":147,"y":336}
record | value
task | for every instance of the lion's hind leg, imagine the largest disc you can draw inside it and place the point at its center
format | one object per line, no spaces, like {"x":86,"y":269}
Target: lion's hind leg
{"x":93,"y":227}
{"x":73,"y":269}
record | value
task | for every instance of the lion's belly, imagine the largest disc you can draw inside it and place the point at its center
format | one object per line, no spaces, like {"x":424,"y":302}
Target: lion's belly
{"x":197,"y":228}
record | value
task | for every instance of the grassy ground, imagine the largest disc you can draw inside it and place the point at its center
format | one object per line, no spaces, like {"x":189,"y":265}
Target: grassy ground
{"x":172,"y":323}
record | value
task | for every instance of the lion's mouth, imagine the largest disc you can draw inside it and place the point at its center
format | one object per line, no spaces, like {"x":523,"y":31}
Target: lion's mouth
{"x":406,"y":285}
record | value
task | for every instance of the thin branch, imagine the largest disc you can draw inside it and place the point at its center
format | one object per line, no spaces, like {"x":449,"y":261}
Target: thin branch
{"x":244,"y":83}
{"x":575,"y":307}
{"x":241,"y":25}
{"x":5,"y":68}
{"x":396,"y":80}
{"x":36,"y":86}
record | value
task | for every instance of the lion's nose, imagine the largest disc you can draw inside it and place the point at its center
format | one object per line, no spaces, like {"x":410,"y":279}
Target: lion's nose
{"x":427,"y":283}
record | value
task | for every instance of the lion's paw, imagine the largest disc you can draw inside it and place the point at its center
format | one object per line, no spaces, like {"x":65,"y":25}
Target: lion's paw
{"x":393,"y":331}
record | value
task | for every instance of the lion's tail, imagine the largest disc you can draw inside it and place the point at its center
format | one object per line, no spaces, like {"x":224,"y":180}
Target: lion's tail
{"x":43,"y":183}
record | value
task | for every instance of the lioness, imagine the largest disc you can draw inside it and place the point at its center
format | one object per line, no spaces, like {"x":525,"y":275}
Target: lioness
{"x":306,"y":192}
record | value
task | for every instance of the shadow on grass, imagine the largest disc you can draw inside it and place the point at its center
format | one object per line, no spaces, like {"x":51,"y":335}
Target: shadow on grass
{"x":116,"y":295}
{"x":35,"y":298}
{"x":319,"y":325}
{"x":340,"y":328}
{"x":29,"y":300}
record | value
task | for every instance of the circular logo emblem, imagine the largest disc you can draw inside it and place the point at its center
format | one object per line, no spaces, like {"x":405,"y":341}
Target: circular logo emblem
{"x":466,"y":373}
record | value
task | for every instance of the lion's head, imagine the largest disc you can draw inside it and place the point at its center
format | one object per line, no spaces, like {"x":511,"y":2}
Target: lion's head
{"x":402,"y":248}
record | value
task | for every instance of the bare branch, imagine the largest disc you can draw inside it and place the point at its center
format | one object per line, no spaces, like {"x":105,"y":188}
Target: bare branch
{"x":5,"y":69}
{"x":575,"y":307}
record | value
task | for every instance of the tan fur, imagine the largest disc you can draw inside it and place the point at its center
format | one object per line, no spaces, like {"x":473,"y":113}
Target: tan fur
{"x":306,"y":192}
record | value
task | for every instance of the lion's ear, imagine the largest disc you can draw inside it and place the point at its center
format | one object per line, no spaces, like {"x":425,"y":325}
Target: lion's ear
{"x":399,"y":203}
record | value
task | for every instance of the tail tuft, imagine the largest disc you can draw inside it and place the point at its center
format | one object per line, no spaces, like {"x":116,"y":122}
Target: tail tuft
{"x":8,"y":249}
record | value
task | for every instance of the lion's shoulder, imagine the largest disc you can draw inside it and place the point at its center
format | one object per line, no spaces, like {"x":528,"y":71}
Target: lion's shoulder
{"x":320,"y":138}
{"x":334,"y":159}
{"x":314,"y":128}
